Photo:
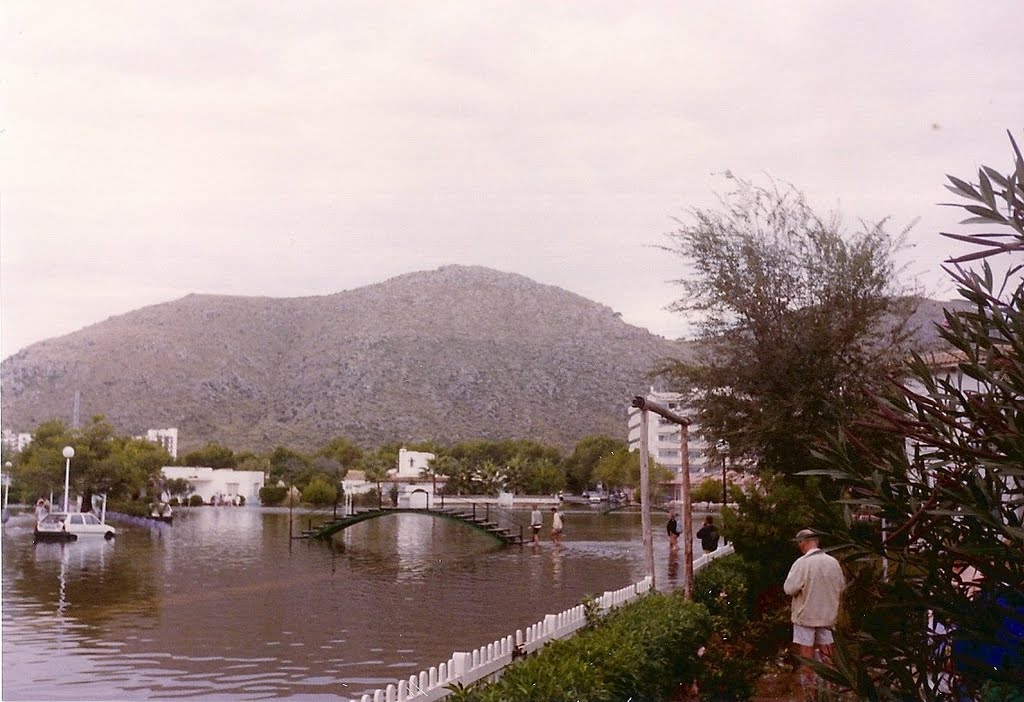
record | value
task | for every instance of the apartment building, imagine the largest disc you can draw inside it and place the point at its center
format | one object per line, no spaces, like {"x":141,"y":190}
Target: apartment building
{"x":663,"y":439}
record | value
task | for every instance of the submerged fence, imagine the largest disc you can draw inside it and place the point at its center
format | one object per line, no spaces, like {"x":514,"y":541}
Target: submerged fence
{"x":464,"y":668}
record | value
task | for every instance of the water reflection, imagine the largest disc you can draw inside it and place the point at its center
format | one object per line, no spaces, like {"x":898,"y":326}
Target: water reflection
{"x":223,"y":605}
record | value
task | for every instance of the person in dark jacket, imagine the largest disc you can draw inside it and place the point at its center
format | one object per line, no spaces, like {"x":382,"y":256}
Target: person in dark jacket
{"x":673,"y":529}
{"x":708,"y":535}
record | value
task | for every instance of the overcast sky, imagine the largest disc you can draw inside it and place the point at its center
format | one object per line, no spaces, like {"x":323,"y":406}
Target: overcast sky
{"x":154,"y":149}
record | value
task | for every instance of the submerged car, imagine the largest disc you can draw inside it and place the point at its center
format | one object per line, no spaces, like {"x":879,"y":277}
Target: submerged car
{"x":60,"y":526}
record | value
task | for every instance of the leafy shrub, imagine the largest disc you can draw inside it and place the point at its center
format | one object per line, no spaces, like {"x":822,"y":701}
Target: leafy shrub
{"x":133,"y":508}
{"x":273,"y":494}
{"x":643,"y":651}
{"x":195,"y":501}
{"x":370,"y":498}
{"x":317,"y":492}
{"x":749,"y":626}
{"x":710,"y":490}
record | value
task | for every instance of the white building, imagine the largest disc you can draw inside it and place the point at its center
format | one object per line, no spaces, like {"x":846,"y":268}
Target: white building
{"x":221,"y":485}
{"x":415,"y":489}
{"x":16,"y":441}
{"x":168,"y":438}
{"x":664,"y":441}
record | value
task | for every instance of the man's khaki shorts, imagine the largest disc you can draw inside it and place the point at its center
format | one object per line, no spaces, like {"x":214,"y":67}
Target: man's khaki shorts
{"x":812,"y":635}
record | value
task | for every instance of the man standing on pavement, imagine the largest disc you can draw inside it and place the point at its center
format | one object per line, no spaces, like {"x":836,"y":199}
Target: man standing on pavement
{"x":815,"y":582}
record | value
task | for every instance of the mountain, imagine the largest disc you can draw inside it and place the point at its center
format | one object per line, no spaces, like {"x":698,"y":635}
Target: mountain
{"x":452,"y":354}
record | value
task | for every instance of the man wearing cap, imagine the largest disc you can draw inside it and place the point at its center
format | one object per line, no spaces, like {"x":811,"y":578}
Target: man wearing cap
{"x":815,"y":582}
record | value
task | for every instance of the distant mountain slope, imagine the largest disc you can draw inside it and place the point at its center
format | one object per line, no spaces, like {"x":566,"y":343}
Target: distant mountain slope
{"x":451,"y":354}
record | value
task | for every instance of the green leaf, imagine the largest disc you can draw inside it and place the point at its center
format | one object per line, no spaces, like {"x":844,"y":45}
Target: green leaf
{"x":964,"y":188}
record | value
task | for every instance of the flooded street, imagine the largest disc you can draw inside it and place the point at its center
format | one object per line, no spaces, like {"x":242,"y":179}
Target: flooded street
{"x":223,"y":605}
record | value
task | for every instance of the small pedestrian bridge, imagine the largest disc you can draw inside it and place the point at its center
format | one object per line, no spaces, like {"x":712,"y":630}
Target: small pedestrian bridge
{"x":486,"y":518}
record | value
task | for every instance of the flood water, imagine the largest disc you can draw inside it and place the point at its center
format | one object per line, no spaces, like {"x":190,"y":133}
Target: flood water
{"x":223,"y":605}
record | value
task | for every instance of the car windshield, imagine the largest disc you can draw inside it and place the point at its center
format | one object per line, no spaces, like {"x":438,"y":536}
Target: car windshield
{"x":53,"y":519}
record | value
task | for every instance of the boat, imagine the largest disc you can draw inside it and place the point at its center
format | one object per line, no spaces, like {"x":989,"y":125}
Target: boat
{"x":72,"y":526}
{"x":162,"y":512}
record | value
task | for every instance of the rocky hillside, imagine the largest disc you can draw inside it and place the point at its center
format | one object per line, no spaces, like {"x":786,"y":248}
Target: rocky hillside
{"x":452,"y":354}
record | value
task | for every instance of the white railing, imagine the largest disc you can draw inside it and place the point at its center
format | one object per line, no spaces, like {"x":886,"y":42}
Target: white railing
{"x":465,"y":668}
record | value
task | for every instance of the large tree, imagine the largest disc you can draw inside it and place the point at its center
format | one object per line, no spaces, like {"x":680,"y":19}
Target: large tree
{"x":118,"y":466}
{"x":796,"y":315}
{"x":580,"y":465}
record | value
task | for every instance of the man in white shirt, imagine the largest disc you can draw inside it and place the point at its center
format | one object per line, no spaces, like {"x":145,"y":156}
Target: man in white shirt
{"x":536,"y":522}
{"x":815,"y":582}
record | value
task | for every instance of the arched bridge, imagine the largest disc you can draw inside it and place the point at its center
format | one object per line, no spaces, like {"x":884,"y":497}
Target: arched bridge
{"x":483,"y":519}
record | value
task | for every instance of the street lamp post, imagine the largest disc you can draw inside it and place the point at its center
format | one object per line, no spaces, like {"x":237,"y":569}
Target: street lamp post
{"x":69,"y":452}
{"x":721,"y":448}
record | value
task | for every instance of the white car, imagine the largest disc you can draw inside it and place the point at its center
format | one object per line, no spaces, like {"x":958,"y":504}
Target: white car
{"x":59,"y":526}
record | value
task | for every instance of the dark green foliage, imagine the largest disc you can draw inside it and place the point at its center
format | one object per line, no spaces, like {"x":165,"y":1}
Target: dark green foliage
{"x":749,"y":626}
{"x":796,"y":316}
{"x":120,"y":467}
{"x":271,"y":495}
{"x":196,"y":501}
{"x":319,"y":492}
{"x":710,"y":490}
{"x":212,"y":455}
{"x":580,"y":465}
{"x":644,"y":651}
{"x":133,"y":508}
{"x":762,"y":527}
{"x":958,"y":497}
{"x":288,"y":465}
{"x":178,"y":488}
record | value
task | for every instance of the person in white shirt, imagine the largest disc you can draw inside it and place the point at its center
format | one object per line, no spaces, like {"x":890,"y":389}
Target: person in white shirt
{"x":556,"y":526}
{"x":815,"y":582}
{"x":536,"y":522}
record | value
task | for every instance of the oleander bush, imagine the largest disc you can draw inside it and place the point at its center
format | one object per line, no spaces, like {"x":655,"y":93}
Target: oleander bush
{"x":644,"y":651}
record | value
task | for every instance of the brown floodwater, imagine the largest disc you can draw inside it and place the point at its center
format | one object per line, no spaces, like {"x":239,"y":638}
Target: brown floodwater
{"x":223,"y":605}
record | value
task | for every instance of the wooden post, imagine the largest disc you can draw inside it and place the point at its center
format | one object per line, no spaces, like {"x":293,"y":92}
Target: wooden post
{"x":645,"y":497}
{"x":684,"y":447}
{"x":643,"y":404}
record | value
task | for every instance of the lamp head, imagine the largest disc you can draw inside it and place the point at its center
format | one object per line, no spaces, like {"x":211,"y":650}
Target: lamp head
{"x":69,"y":452}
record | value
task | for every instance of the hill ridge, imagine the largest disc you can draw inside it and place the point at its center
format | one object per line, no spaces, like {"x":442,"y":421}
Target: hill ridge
{"x":449,"y":354}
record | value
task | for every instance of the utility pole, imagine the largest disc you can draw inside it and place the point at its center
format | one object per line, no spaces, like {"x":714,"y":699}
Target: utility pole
{"x":645,"y":497}
{"x":645,"y":405}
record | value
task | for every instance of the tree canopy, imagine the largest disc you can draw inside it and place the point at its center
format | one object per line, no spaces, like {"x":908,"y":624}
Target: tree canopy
{"x":796,"y":314}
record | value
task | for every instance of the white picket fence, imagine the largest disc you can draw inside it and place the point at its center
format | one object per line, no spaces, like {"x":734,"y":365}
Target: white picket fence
{"x":465,"y":668}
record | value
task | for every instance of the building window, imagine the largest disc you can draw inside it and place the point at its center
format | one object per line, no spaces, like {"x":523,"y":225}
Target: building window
{"x":668,"y":453}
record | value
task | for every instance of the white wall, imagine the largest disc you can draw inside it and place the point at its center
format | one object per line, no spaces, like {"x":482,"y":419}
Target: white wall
{"x":411,"y":464}
{"x":227,"y":483}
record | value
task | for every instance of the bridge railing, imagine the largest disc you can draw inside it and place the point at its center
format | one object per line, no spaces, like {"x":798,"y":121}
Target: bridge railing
{"x":515,"y":522}
{"x":464,"y":668}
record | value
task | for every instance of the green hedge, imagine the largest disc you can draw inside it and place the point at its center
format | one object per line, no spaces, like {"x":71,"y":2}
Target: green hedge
{"x":134,"y":508}
{"x":644,"y":651}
